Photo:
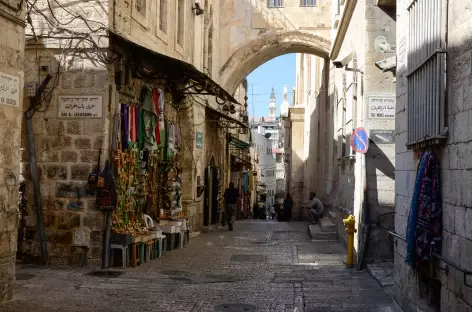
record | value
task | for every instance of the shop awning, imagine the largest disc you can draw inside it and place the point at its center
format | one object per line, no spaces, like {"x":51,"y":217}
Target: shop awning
{"x":228,"y":118}
{"x":239,"y":159}
{"x":157,"y":66}
{"x":238,"y":143}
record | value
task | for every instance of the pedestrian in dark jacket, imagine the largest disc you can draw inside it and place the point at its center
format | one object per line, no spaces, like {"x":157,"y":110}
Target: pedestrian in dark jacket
{"x":288,"y":205}
{"x":231,"y":199}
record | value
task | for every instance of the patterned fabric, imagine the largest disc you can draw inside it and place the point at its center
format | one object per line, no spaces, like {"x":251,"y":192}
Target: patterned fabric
{"x":413,"y":216}
{"x":429,"y":225}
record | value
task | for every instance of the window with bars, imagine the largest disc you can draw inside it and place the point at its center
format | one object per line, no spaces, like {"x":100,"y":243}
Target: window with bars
{"x":180,"y":22}
{"x":163,"y":16}
{"x":275,"y":3}
{"x":308,"y":3}
{"x":426,"y":74}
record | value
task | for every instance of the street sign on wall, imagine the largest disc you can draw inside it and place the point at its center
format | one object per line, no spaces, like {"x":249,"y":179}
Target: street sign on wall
{"x":360,"y":140}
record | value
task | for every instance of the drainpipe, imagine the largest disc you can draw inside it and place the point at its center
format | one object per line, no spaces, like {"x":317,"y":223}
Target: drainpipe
{"x":28,"y":115}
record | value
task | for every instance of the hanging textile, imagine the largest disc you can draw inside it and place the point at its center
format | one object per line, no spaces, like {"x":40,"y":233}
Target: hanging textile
{"x":246,"y":181}
{"x":124,"y":127}
{"x":155,"y":101}
{"x":170,"y":140}
{"x":429,"y":225}
{"x":162,"y":124}
{"x":413,"y":216}
{"x":140,"y":128}
{"x":149,"y":119}
{"x":132,"y":124}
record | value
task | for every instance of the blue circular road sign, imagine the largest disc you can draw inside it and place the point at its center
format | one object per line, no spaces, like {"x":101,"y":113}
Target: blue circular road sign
{"x":360,"y":140}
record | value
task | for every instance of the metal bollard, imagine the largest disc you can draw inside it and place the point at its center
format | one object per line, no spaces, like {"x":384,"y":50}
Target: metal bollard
{"x":349,"y":227}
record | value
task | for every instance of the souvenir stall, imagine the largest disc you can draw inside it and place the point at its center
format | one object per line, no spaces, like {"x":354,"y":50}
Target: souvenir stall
{"x":152,"y":89}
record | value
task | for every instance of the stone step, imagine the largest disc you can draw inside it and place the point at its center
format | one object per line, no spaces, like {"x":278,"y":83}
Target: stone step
{"x":333,"y":216}
{"x":326,"y":225}
{"x":317,"y":234}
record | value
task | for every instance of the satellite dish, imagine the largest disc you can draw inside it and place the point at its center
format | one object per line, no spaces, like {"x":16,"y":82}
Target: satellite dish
{"x":268,"y":135}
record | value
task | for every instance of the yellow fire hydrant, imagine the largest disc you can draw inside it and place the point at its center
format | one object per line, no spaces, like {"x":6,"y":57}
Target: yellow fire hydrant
{"x":349,"y":227}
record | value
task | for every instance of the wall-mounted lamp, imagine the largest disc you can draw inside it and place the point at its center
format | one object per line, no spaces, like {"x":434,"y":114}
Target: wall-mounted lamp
{"x":198,"y":10}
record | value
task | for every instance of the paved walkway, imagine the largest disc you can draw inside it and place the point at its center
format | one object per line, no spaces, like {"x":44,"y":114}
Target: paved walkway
{"x":260,"y":266}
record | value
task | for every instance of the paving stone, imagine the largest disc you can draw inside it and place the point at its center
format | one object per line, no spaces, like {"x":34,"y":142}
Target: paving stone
{"x":231,"y":271}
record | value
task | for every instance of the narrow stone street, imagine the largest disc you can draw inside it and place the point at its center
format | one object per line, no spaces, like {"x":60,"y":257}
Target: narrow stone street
{"x":260,"y":266}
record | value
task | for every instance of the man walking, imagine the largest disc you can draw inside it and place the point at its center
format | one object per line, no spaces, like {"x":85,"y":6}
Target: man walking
{"x":231,"y":199}
{"x":315,"y":208}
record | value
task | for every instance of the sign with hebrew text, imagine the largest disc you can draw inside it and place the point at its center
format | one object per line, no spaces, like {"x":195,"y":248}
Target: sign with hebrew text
{"x":9,"y":90}
{"x":80,"y":106}
{"x":381,"y":107}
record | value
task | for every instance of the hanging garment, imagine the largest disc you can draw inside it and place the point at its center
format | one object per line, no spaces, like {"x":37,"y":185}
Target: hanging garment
{"x":155,"y":102}
{"x":413,"y":216}
{"x":132,"y":125}
{"x":149,"y":119}
{"x":429,"y":224}
{"x":162,"y":124}
{"x":170,"y":140}
{"x":140,"y":128}
{"x":124,"y":127}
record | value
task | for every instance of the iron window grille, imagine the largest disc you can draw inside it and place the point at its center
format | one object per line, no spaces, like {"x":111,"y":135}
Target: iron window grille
{"x":426,"y":76}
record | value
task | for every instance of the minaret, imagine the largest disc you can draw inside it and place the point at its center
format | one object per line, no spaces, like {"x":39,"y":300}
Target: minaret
{"x":285,"y":104}
{"x":272,"y":105}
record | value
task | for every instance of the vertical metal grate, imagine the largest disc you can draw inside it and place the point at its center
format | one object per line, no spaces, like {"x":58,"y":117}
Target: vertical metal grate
{"x":426,"y":76}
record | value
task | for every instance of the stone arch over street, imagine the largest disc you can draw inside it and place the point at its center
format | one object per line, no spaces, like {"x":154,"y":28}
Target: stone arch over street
{"x":265,"y":47}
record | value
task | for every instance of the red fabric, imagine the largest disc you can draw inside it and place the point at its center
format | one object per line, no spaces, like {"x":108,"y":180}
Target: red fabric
{"x":132,"y":124}
{"x":155,"y":101}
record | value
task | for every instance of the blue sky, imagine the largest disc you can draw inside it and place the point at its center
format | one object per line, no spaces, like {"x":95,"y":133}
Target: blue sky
{"x":275,"y":73}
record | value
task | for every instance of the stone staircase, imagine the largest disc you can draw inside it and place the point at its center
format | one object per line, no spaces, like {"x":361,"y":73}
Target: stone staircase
{"x":325,"y":230}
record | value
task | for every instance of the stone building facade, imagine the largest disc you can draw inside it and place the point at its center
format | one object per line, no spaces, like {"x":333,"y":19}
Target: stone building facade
{"x":454,"y":154}
{"x":12,"y":16}
{"x":68,"y":147}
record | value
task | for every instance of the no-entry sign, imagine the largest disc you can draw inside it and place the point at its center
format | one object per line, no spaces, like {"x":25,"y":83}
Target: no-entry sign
{"x":360,"y":141}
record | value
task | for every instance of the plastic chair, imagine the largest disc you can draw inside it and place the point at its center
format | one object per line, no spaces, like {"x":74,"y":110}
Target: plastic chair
{"x":124,"y":254}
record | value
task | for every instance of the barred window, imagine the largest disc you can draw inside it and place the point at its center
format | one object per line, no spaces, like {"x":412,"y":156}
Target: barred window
{"x":275,"y":3}
{"x":308,"y":3}
{"x":426,"y":74}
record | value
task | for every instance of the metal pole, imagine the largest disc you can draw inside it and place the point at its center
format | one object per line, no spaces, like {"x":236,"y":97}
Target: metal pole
{"x":28,"y":115}
{"x":106,"y":240}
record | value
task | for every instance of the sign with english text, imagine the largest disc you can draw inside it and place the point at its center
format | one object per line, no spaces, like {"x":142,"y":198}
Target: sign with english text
{"x":9,"y":90}
{"x":80,"y":106}
{"x":381,"y":107}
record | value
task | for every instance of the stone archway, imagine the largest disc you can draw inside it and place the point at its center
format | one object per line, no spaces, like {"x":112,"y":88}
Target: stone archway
{"x":266,"y":47}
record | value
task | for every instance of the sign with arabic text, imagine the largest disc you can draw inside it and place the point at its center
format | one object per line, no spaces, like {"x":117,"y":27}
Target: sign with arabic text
{"x":9,"y":90}
{"x":381,"y":107}
{"x":80,"y":106}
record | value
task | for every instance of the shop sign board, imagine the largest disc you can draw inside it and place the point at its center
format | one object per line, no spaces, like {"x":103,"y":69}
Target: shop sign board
{"x":381,"y":107}
{"x":383,"y":136}
{"x":80,"y":106}
{"x":199,"y":139}
{"x":9,"y":90}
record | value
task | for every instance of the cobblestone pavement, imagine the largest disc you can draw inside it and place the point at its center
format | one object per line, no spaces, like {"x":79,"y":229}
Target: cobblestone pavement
{"x":260,"y":266}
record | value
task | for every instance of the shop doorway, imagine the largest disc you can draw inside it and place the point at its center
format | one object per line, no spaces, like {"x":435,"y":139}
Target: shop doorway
{"x":213,"y":196}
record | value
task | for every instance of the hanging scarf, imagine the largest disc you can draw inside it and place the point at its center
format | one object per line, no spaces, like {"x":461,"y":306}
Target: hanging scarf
{"x":124,"y":127}
{"x":162,"y":124}
{"x":155,"y":102}
{"x":413,"y":216}
{"x":429,"y":225}
{"x":149,"y":118}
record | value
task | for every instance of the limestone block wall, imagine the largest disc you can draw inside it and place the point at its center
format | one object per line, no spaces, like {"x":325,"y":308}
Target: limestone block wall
{"x":350,"y":96}
{"x":456,"y":174}
{"x":11,"y":64}
{"x":67,"y":149}
{"x":296,"y":160}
